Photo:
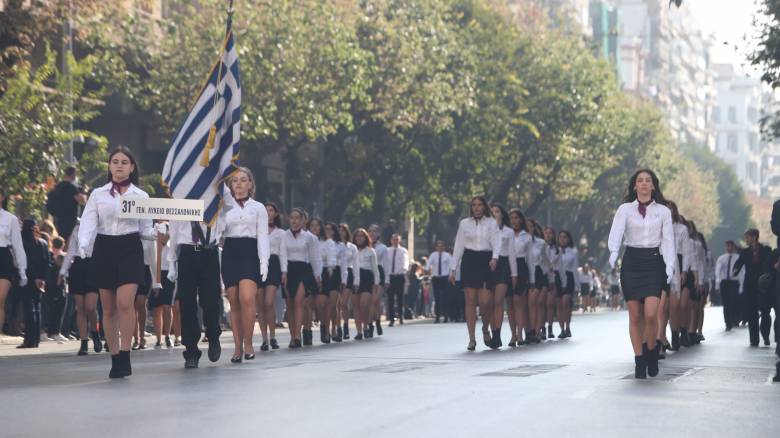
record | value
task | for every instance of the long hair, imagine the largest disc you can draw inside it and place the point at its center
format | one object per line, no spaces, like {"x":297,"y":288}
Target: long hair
{"x":554,"y":243}
{"x":538,"y":232}
{"x":568,"y":234}
{"x":345,"y":228}
{"x":675,"y":212}
{"x":504,"y":215}
{"x":484,"y":202}
{"x":521,"y":216}
{"x":277,"y":218}
{"x":250,"y":175}
{"x":4,"y":204}
{"x":657,"y":195}
{"x":335,"y":228}
{"x":703,"y":241}
{"x":365,"y":234}
{"x":321,"y":235}
{"x":28,"y":230}
{"x":692,"y":230}
{"x":134,"y":175}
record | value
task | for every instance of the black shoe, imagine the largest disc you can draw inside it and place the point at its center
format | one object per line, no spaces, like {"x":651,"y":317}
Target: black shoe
{"x":371,"y":330}
{"x":685,"y":339}
{"x":264,"y":346}
{"x":392,"y":323}
{"x":191,"y":358}
{"x":379,"y":327}
{"x":105,"y":347}
{"x":215,"y":349}
{"x":766,"y":341}
{"x":728,"y":327}
{"x":359,"y":337}
{"x":550,"y":334}
{"x":116,"y":368}
{"x":346,"y":330}
{"x":124,"y":357}
{"x":401,"y":321}
{"x":84,"y":347}
{"x":562,"y":334}
{"x":339,"y":334}
{"x":542,"y":334}
{"x":650,"y":356}
{"x":568,"y":332}
{"x":307,"y":337}
{"x":295,"y":343}
{"x":366,"y":333}
{"x":274,"y":344}
{"x":495,"y":339}
{"x":249,"y":356}
{"x":512,"y":344}
{"x":168,"y":342}
{"x":96,"y":344}
{"x":487,"y":339}
{"x":640,"y":367}
{"x":158,"y":344}
{"x":472,"y":346}
{"x":675,"y":341}
{"x":323,"y":335}
{"x":25,"y":345}
{"x":236,"y":359}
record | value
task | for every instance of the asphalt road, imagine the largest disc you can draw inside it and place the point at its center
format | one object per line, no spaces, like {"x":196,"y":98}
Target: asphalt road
{"x":416,"y":380}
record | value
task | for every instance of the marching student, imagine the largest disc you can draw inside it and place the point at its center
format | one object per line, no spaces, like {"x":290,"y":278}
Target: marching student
{"x":477,"y":245}
{"x":439,"y":267}
{"x":314,"y":227}
{"x":688,"y":280}
{"x":303,"y":259}
{"x":10,"y":247}
{"x":266,"y":293}
{"x":193,"y":263}
{"x":337,"y":276}
{"x":142,"y":296}
{"x":568,"y":270}
{"x":553,"y":278}
{"x":678,"y":289}
{"x":644,"y":224}
{"x":117,"y":255}
{"x":161,"y":300}
{"x":368,"y":273}
{"x":698,"y":295}
{"x":331,"y":278}
{"x":243,"y":223}
{"x":586,"y":284}
{"x":518,"y":298}
{"x":505,"y":275}
{"x":76,"y":271}
{"x":376,"y":296}
{"x":348,"y":254}
{"x":729,"y":284}
{"x":39,"y":262}
{"x":537,"y":297}
{"x":396,"y":265}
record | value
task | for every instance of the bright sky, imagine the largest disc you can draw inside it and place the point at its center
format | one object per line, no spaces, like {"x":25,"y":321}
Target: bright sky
{"x":731,"y":22}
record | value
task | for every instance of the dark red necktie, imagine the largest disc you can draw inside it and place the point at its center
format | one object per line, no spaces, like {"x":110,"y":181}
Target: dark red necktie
{"x":116,"y":185}
{"x":241,"y":201}
{"x":643,"y":208}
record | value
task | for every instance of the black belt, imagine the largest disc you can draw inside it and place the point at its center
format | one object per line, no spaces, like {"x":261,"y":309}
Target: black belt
{"x":198,"y":247}
{"x":397,"y":275}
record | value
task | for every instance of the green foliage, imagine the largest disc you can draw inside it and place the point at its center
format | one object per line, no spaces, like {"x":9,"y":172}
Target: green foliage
{"x":766,"y":57}
{"x":35,"y":118}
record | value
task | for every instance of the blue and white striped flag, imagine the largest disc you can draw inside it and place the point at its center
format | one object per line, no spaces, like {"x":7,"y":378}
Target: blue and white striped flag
{"x":204,"y":152}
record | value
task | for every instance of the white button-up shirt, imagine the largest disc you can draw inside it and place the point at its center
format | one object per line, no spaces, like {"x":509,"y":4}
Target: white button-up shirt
{"x":682,"y":243}
{"x":11,"y":235}
{"x":329,"y":253}
{"x":401,"y":256}
{"x":248,"y":221}
{"x":303,"y":247}
{"x":724,"y":269}
{"x":538,"y":258}
{"x":522,"y":242}
{"x":100,"y":216}
{"x":554,"y":256}
{"x":568,"y":263}
{"x":653,"y":231}
{"x":476,"y":235}
{"x":366,"y":259}
{"x":439,"y":269}
{"x":381,"y":252}
{"x":347,"y":259}
{"x":275,"y":237}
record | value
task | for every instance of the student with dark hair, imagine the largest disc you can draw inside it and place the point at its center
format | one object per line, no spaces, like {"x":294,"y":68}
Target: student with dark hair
{"x":756,"y":258}
{"x":348,"y":253}
{"x":518,"y":298}
{"x":38,"y":264}
{"x":118,"y":260}
{"x":376,"y":296}
{"x":537,"y":297}
{"x":331,"y":278}
{"x":568,"y":271}
{"x":266,"y":294}
{"x":553,"y":277}
{"x":504,"y":276}
{"x":367,"y":269}
{"x":63,"y":203}
{"x":76,"y":270}
{"x":477,"y":246}
{"x":10,"y":247}
{"x":55,"y":297}
{"x":680,"y":289}
{"x":644,"y":224}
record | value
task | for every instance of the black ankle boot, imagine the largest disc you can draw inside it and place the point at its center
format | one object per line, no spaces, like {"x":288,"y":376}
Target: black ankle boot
{"x":651,"y":359}
{"x":685,"y":340}
{"x":307,"y":337}
{"x":378,"y":327}
{"x":675,"y":340}
{"x":346,"y":330}
{"x":84,"y":348}
{"x":640,"y":367}
{"x":496,"y":339}
{"x":116,"y":368}
{"x":124,"y":358}
{"x":324,"y":335}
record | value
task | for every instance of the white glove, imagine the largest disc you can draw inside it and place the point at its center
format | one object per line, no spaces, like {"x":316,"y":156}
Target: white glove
{"x":263,"y":271}
{"x":172,"y":273}
{"x":82,"y":253}
{"x":161,"y":229}
{"x":157,"y":286}
{"x":613,"y":259}
{"x":22,"y":279}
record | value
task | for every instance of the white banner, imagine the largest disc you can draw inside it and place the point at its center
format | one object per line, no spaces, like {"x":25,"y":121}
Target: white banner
{"x":161,"y":208}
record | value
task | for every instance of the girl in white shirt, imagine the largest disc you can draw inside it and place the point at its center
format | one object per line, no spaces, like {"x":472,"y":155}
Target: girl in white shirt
{"x":330,"y":274}
{"x":518,"y":308}
{"x":303,"y":259}
{"x":333,"y":286}
{"x":243,"y":223}
{"x":367,"y":267}
{"x":376,"y":296}
{"x":505,"y":274}
{"x":142,"y":296}
{"x":554,"y":283}
{"x":117,"y":256}
{"x":644,"y":224}
{"x":537,"y":296}
{"x":10,"y":240}
{"x":477,"y":246}
{"x":348,"y":254}
{"x":266,"y":293}
{"x":75,"y":270}
{"x":568,"y":269}
{"x":672,"y":315}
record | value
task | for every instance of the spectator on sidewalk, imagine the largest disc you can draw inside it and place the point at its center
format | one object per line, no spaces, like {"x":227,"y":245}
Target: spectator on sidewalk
{"x":63,"y":203}
{"x":38,"y":264}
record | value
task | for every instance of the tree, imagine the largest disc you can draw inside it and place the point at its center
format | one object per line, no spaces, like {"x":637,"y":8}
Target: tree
{"x":767,"y":57}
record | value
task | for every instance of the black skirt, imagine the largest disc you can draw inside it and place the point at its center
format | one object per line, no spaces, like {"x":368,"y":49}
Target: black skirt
{"x":569,"y":288}
{"x":146,"y":287}
{"x":165,"y":295}
{"x":350,"y":279}
{"x":116,"y":261}
{"x":523,"y":278}
{"x":331,"y":282}
{"x":79,"y":277}
{"x":642,"y":273}
{"x":381,"y":274}
{"x":584,"y":289}
{"x":240,"y":261}
{"x":366,"y":281}
{"x":7,"y":269}
{"x":475,"y":270}
{"x":298,"y":274}
{"x":274,"y":277}
{"x":502,"y":274}
{"x":558,"y":282}
{"x":540,"y":278}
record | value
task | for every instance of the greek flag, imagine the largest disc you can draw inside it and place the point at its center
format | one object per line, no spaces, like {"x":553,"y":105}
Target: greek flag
{"x":204,"y":152}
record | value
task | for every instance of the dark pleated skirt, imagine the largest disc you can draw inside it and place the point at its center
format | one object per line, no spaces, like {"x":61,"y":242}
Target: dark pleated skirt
{"x":642,"y":274}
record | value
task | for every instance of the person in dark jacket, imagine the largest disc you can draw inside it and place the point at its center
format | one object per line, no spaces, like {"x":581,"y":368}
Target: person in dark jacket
{"x":38,"y":264}
{"x":756,"y":258}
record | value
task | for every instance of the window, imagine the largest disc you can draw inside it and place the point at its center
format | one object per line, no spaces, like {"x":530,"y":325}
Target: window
{"x":753,"y":141}
{"x":752,"y":172}
{"x":716,"y":114}
{"x":732,"y":114}
{"x":752,"y":115}
{"x":733,"y":146}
